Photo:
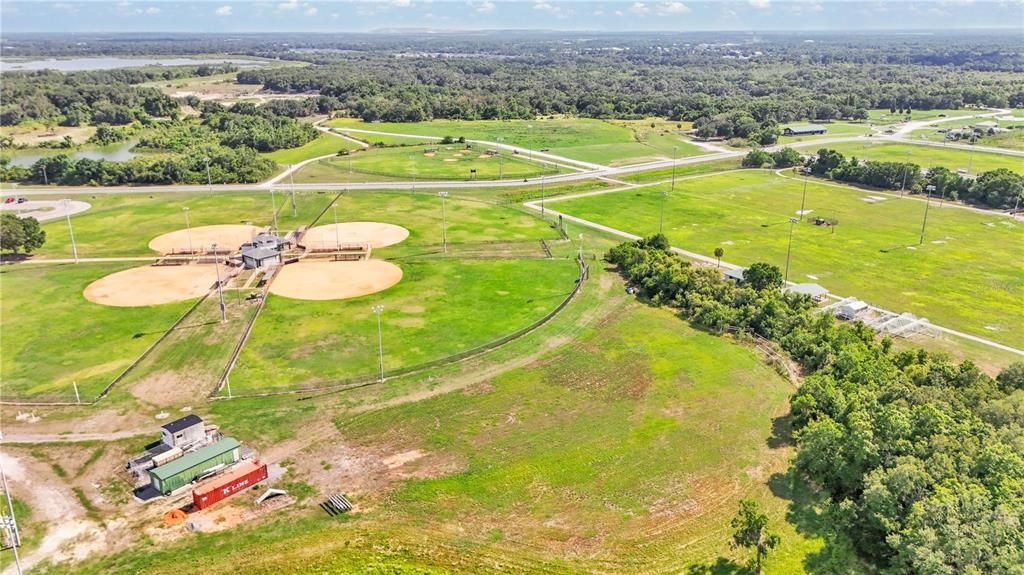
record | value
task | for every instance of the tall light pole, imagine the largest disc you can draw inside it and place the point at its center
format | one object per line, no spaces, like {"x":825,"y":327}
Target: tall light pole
{"x":906,"y":168}
{"x":927,"y":202}
{"x":220,"y":287}
{"x":273,"y":204}
{"x":10,"y":509}
{"x":71,"y":231}
{"x":789,"y":250}
{"x":378,"y":309}
{"x":542,"y":195}
{"x":337,"y":229}
{"x":803,"y":198}
{"x":661,"y":226}
{"x":497,"y":150}
{"x":674,"y":150}
{"x":209,"y":179}
{"x":188,"y":230}
{"x":444,"y":222}
{"x":291,"y":181}
{"x":581,"y":248}
{"x":530,"y":149}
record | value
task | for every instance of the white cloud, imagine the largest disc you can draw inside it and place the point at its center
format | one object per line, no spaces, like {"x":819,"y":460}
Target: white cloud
{"x":761,"y":3}
{"x":598,"y":12}
{"x":401,"y":3}
{"x":66,"y":7}
{"x":618,"y":12}
{"x":289,"y":5}
{"x":153,"y":10}
{"x":544,"y":6}
{"x":311,"y":11}
{"x":485,"y":7}
{"x":639,"y":8}
{"x":223,"y":11}
{"x":673,"y":8}
{"x":334,"y":16}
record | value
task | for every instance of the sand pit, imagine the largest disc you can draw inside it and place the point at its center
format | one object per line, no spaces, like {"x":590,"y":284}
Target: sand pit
{"x":376,"y":234}
{"x":450,"y":160}
{"x":324,"y":280}
{"x":229,"y":236}
{"x":153,"y":285}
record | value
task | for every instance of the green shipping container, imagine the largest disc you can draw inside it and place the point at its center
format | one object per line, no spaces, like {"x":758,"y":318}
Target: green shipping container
{"x":185,"y":469}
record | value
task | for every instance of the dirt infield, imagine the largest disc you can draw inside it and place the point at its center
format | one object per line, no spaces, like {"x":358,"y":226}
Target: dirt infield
{"x":376,"y":234}
{"x":227,"y":235}
{"x":153,"y":285}
{"x":323,"y":280}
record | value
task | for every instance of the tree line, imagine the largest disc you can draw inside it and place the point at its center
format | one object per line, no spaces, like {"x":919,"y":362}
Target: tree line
{"x":920,"y":459}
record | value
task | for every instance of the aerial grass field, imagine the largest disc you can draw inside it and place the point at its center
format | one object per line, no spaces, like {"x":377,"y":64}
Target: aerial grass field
{"x":648,"y":428}
{"x":441,"y":307}
{"x":932,"y":133}
{"x":324,"y":144}
{"x":965,"y":276}
{"x":62,"y":338}
{"x":928,"y":156}
{"x":430,"y":162}
{"x":123,"y":224}
{"x":834,"y":129}
{"x":884,"y":116}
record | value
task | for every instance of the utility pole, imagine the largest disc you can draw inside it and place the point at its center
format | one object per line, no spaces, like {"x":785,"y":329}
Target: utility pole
{"x":674,"y":150}
{"x":209,"y":179}
{"x":803,"y":199}
{"x":188,"y":230}
{"x":273,"y":203}
{"x":789,"y":250}
{"x":906,"y":167}
{"x":14,"y":521}
{"x":291,"y":181}
{"x":78,"y":398}
{"x":661,"y":226}
{"x":444,"y":222}
{"x":542,"y":195}
{"x":220,"y":287}
{"x":581,"y":248}
{"x":378,"y":309}
{"x":927,"y":202}
{"x":337,"y":230}
{"x":71,"y":231}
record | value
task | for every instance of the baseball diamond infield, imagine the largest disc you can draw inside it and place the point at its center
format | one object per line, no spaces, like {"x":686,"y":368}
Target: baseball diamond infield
{"x":229,"y":236}
{"x":326,"y":280}
{"x":153,"y":285}
{"x":376,"y":234}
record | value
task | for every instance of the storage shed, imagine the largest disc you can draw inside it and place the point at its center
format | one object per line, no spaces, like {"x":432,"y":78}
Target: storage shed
{"x":187,"y":468}
{"x":808,"y":130}
{"x":735,"y":274}
{"x":815,"y":291}
{"x":184,"y":431}
{"x":257,"y":257}
{"x":851,"y":310}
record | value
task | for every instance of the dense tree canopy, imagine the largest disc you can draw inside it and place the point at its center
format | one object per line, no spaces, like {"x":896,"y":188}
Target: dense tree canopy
{"x":20,"y":234}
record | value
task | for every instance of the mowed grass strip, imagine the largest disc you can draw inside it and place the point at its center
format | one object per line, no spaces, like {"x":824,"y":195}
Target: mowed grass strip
{"x":323,"y":145}
{"x":928,"y":156}
{"x":53,"y":336}
{"x":966,"y":276}
{"x":438,"y":309}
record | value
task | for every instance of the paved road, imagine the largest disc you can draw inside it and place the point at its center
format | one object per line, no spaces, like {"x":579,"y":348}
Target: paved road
{"x":70,"y":437}
{"x":46,"y":210}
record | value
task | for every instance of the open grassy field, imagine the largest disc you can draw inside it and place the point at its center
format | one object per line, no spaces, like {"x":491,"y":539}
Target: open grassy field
{"x":926,"y":156}
{"x":884,"y":116}
{"x":965,"y":276}
{"x":933,"y":134}
{"x":123,"y":224}
{"x":53,"y":336}
{"x":428,"y":162}
{"x":646,"y":428}
{"x":438,"y":309}
{"x":834,"y":129}
{"x":322,"y":146}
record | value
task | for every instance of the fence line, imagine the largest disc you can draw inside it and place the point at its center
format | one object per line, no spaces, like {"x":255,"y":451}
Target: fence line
{"x":363,"y":381}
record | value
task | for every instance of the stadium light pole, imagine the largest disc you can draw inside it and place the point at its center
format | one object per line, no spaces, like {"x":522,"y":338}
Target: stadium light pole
{"x":71,"y":231}
{"x":581,"y":248}
{"x":291,"y":182}
{"x":803,"y":198}
{"x":542,"y":195}
{"x":378,"y":309}
{"x":220,"y":287}
{"x":444,"y":222}
{"x":789,"y":250}
{"x":661,"y":226}
{"x":674,"y":150}
{"x":497,"y":150}
{"x":273,"y":204}
{"x":10,"y":509}
{"x":530,"y":149}
{"x":209,"y":179}
{"x":337,"y":231}
{"x":903,"y":186}
{"x":927,"y":202}
{"x":188,"y":230}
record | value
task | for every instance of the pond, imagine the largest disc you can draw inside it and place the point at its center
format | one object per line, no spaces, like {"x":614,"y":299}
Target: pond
{"x":112,"y":153}
{"x":110,"y":63}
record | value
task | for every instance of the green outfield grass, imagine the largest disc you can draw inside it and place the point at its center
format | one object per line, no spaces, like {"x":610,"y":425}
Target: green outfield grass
{"x":635,"y":445}
{"x":927,"y":156}
{"x":884,"y":116}
{"x":440,"y":307}
{"x":834,"y":129}
{"x":124,"y":224}
{"x":325,"y":144}
{"x":966,"y":276}
{"x":53,"y":336}
{"x":439,"y":162}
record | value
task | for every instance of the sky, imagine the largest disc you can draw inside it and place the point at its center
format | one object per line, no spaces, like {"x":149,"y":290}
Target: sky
{"x":240,"y":16}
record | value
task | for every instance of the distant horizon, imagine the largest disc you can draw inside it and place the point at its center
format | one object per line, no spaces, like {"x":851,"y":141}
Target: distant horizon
{"x":445,"y":16}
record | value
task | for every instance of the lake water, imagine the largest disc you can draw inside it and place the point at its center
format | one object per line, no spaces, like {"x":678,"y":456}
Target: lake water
{"x":109,"y":63}
{"x":113,"y":153}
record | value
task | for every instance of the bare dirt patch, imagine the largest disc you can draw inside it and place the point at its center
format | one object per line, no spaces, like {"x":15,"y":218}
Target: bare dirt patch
{"x":153,"y":285}
{"x":200,"y":238}
{"x":325,"y":280}
{"x":168,"y":388}
{"x":376,"y":234}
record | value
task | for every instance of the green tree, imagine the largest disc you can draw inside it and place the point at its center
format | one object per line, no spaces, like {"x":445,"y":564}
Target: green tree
{"x":1011,"y":378}
{"x":751,"y":531}
{"x":20,"y":233}
{"x":719,"y":252}
{"x":762,"y":276}
{"x":757,"y":159}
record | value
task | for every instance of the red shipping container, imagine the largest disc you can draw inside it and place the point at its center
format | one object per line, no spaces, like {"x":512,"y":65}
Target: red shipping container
{"x":219,"y":488}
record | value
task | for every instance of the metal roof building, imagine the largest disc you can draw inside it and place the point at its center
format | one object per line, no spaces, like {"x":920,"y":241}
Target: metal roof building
{"x":258,"y":257}
{"x":183,"y":431}
{"x":190,"y":466}
{"x":814,"y":290}
{"x":807,"y":130}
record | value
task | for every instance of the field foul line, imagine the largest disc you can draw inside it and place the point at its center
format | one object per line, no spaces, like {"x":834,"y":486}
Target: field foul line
{"x":710,"y":260}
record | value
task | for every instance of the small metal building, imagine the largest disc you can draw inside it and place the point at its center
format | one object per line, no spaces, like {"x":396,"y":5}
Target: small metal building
{"x":735,"y":274}
{"x":257,"y":257}
{"x":851,"y":310}
{"x":815,"y":291}
{"x":807,"y":130}
{"x":188,"y":429}
{"x":187,"y":468}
